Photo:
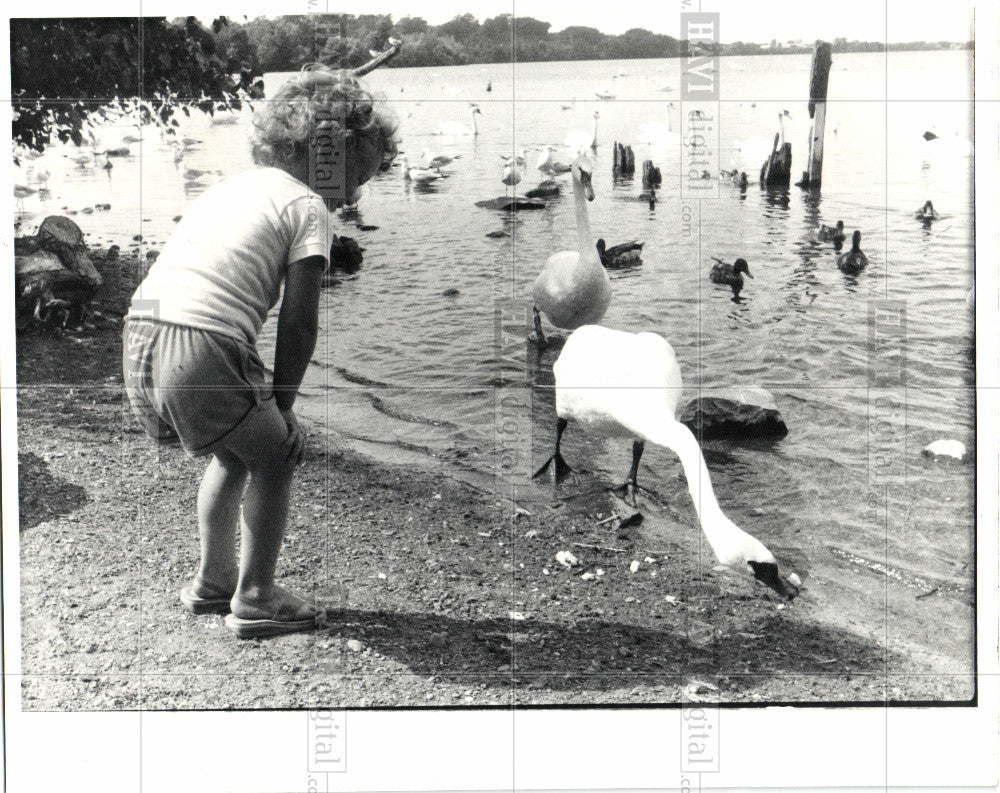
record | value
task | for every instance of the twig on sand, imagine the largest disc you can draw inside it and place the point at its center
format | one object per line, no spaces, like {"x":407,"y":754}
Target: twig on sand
{"x":600,"y":547}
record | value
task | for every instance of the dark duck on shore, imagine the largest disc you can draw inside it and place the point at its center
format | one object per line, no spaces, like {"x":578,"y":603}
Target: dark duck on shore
{"x":729,"y":274}
{"x":834,"y":234}
{"x":628,"y":254}
{"x":854,"y":261}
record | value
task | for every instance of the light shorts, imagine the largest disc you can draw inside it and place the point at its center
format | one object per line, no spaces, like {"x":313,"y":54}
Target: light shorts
{"x":192,"y":385}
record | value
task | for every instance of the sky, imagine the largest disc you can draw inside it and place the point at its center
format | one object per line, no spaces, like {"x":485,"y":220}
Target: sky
{"x":867,"y":20}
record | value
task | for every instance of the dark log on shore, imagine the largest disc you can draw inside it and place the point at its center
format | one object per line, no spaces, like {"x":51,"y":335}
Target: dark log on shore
{"x":52,"y":271}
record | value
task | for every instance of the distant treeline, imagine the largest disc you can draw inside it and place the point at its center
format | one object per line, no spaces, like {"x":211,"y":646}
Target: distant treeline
{"x":344,"y":41}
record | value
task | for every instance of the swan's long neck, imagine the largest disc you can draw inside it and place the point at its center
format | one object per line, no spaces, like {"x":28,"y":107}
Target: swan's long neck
{"x":593,"y":137}
{"x":719,"y":530}
{"x":582,"y":222}
{"x":475,"y":125}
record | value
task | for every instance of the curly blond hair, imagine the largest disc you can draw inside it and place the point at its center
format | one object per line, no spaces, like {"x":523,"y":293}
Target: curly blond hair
{"x":319,"y":100}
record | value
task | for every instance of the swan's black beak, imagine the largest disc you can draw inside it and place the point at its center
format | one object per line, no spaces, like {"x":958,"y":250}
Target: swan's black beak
{"x":588,"y":188}
{"x":748,"y":274}
{"x":767,"y":574}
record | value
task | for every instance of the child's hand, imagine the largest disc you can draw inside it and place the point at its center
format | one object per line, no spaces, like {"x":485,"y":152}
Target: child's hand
{"x":295,"y":443}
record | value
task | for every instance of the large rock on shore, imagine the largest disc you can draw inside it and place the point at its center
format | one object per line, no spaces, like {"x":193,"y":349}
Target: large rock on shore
{"x":52,"y":269}
{"x":743,"y":412}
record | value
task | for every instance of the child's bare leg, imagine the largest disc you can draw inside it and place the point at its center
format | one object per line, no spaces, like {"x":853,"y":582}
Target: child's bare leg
{"x":265,"y":511}
{"x":219,"y":500}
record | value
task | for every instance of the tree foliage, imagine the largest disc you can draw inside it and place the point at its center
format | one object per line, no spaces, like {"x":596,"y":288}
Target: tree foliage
{"x":63,"y":71}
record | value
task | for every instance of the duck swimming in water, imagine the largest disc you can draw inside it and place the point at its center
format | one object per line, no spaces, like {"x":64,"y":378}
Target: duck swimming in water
{"x":854,"y":261}
{"x":628,"y":254}
{"x":834,"y":234}
{"x":730,"y":274}
{"x":926,"y":212}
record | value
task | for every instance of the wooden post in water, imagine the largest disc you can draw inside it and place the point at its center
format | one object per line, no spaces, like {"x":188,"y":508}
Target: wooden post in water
{"x":818,"y":84}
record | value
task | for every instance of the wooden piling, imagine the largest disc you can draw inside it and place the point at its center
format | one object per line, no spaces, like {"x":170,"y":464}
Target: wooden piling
{"x":650,"y":175}
{"x":777,"y":170}
{"x":623,"y":163}
{"x":818,"y":84}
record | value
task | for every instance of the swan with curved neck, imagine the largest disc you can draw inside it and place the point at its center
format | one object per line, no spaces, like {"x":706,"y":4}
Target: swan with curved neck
{"x":629,"y":384}
{"x":573,"y":288}
{"x":578,"y":139}
{"x":456,"y":129}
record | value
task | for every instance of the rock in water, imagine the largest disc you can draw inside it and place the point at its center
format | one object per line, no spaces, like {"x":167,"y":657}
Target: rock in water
{"x":744,"y":412}
{"x":946,"y":448}
{"x":511,"y":204}
{"x":545,"y":189}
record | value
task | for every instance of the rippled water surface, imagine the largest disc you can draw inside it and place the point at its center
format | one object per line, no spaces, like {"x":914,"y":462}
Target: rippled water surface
{"x":407,"y":367}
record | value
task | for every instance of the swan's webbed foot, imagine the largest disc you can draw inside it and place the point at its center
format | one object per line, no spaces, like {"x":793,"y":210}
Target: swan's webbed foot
{"x":627,"y":492}
{"x":561,"y":469}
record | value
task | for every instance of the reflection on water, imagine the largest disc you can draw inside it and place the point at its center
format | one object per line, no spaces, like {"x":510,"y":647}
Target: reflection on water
{"x":404,"y":365}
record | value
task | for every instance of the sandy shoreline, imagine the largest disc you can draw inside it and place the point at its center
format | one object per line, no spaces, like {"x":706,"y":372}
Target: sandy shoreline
{"x":449,"y":595}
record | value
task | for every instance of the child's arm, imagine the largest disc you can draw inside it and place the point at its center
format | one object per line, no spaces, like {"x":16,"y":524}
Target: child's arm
{"x":298,"y":322}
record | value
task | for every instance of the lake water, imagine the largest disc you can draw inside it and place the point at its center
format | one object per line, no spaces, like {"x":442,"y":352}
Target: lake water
{"x":403,"y":368}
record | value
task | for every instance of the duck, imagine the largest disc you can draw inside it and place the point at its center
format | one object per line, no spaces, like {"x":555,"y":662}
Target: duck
{"x":573,"y":288}
{"x":628,"y":254}
{"x":854,"y":261}
{"x":434,"y":160}
{"x":552,"y":165}
{"x":629,"y":384}
{"x":578,"y":139}
{"x":729,"y":274}
{"x":834,"y":234}
{"x":453,"y":128}
{"x":926,"y":212}
{"x":414,"y":173}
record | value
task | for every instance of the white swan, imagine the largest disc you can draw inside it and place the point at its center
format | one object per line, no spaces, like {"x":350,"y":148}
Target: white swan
{"x":552,"y":165}
{"x":629,"y":384}
{"x":455,"y":129}
{"x":578,"y":139}
{"x":659,"y":133}
{"x":573,"y":288}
